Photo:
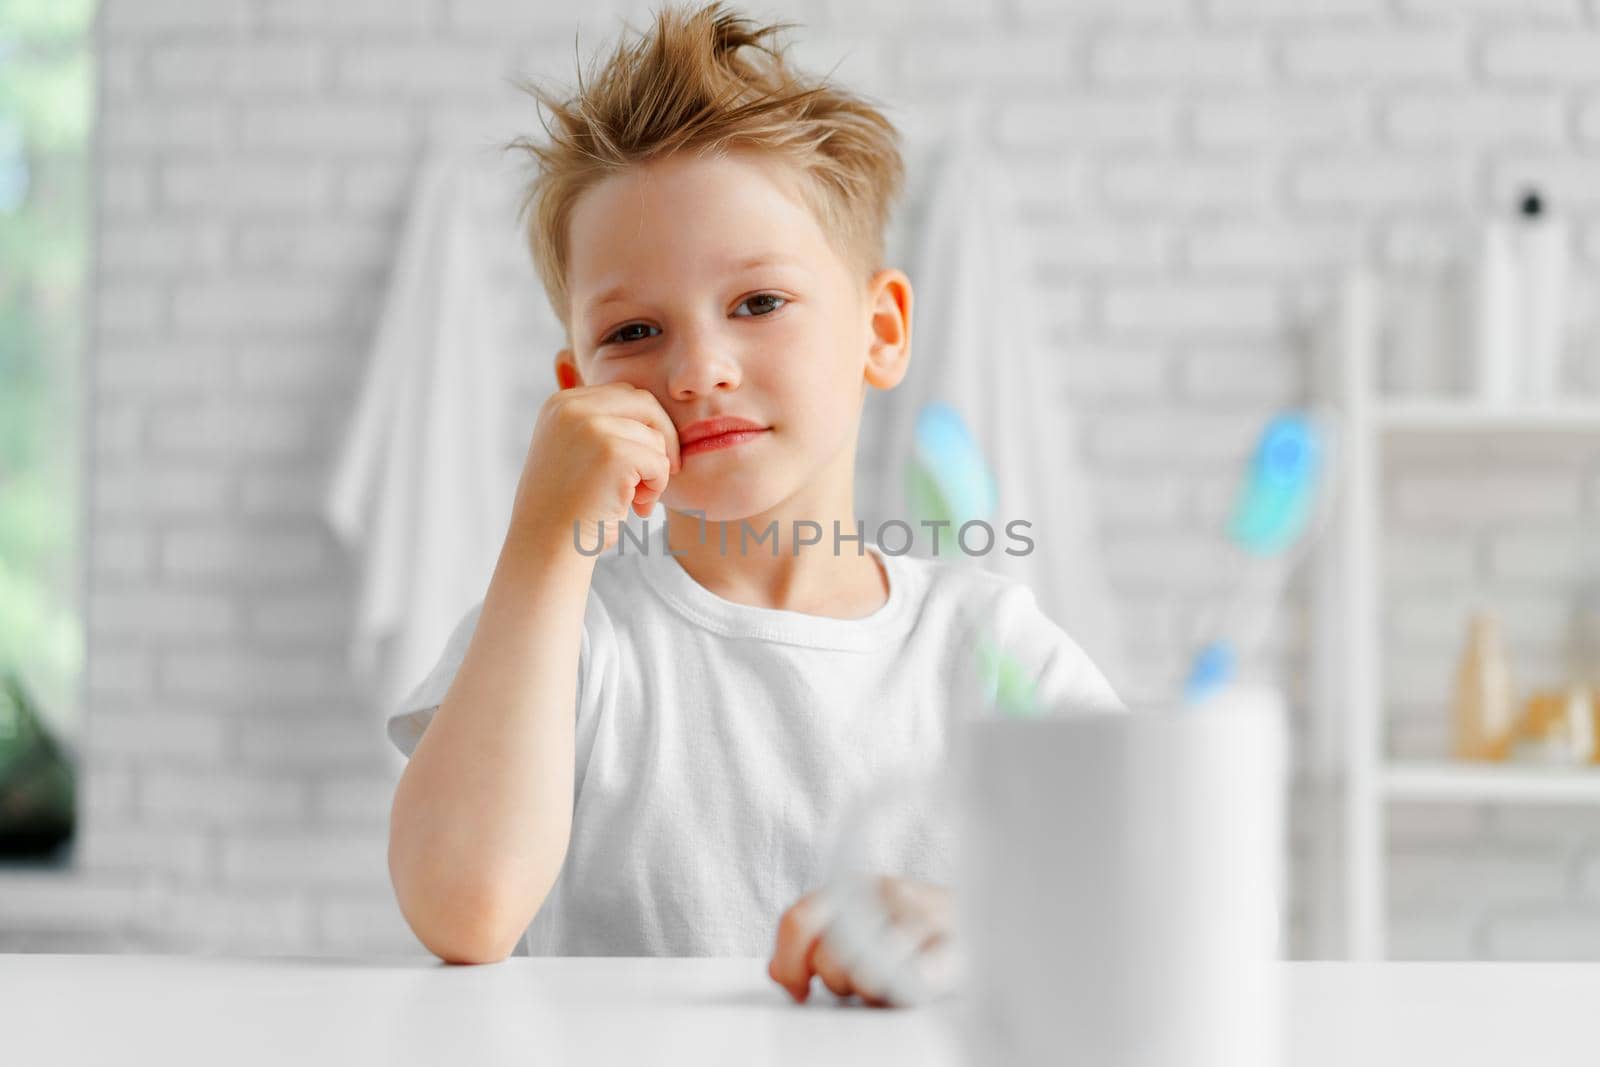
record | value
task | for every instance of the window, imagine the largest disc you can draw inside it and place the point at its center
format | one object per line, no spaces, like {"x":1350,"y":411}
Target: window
{"x":46,"y":112}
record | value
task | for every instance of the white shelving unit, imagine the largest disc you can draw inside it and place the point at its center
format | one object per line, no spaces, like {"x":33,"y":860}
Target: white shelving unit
{"x":1503,"y":785}
{"x":1348,"y":684}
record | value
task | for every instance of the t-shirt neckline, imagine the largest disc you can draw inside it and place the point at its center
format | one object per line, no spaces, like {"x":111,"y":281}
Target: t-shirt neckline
{"x":700,"y":605}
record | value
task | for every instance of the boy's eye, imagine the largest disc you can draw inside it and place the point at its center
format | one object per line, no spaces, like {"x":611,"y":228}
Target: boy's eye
{"x":618,"y":336}
{"x":762,"y":296}
{"x":631,"y":326}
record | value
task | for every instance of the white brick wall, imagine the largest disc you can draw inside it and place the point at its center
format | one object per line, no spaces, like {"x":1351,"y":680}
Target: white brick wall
{"x":1195,"y":169}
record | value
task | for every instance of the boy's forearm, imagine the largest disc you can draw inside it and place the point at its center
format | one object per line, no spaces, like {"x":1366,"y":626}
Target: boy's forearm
{"x":483,"y":811}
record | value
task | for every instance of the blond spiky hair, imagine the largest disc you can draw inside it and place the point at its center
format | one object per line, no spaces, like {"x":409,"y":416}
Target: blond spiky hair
{"x":706,"y":81}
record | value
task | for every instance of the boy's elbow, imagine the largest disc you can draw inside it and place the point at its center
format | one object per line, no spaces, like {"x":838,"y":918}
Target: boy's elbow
{"x":468,"y":933}
{"x":464,"y":924}
{"x":469,"y":949}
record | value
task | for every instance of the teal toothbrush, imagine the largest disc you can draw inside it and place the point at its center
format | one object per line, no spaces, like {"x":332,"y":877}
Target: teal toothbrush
{"x":947,"y":479}
{"x":1272,"y":525}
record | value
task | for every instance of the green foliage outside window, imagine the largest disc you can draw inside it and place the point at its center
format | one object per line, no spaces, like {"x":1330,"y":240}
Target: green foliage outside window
{"x":46,"y":115}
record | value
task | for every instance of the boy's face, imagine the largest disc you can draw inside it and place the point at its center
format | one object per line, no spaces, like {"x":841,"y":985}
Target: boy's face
{"x":663,"y":296}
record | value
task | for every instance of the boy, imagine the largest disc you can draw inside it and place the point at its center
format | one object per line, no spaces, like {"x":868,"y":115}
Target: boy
{"x":708,"y":227}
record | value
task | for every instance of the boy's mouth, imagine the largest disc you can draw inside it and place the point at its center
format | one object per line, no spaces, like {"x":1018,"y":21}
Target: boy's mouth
{"x":711,"y":435}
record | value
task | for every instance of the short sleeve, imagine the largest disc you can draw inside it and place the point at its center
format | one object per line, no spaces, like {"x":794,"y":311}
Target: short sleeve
{"x":1065,"y":679}
{"x":416,"y":710}
{"x":405,"y":727}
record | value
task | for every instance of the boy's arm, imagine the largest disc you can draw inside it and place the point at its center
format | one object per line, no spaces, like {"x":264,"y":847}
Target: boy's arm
{"x":483,"y":811}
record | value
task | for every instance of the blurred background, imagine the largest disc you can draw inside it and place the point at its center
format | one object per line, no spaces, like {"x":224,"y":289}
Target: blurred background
{"x":1231,"y":208}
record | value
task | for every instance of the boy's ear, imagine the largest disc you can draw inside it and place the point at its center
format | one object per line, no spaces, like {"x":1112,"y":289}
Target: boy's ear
{"x":889,"y":347}
{"x":567,"y":375}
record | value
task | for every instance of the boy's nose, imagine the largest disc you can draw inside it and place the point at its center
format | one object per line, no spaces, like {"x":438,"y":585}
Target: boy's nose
{"x":698,"y":368}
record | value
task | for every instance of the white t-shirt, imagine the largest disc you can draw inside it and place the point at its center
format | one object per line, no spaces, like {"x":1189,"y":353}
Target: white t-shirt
{"x":719,"y":743}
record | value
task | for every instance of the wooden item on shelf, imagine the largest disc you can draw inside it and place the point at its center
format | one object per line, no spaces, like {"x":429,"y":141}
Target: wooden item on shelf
{"x":1556,"y":728}
{"x":1484,"y":709}
{"x":1593,"y":693}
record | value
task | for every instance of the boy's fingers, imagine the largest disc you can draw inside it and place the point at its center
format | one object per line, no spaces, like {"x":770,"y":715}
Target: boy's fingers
{"x":632,"y":402}
{"x":626,"y":424}
{"x":642,"y":404}
{"x":798,"y":931}
{"x":634,"y":430}
{"x":799,"y":994}
{"x":644,"y":500}
{"x":918,"y":924}
{"x":651,"y":468}
{"x":829,"y":969}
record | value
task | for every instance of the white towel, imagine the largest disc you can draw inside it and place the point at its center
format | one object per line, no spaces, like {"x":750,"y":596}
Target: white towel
{"x":421,"y":490}
{"x":976,"y":346}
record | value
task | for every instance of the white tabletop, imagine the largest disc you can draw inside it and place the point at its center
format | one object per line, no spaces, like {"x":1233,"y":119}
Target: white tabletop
{"x":192,"y":1010}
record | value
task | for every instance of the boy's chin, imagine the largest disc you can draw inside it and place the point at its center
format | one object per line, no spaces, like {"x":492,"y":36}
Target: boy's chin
{"x":715,"y":507}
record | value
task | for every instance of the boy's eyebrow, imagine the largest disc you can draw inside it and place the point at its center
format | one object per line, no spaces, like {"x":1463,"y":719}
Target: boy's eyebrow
{"x":750,"y":263}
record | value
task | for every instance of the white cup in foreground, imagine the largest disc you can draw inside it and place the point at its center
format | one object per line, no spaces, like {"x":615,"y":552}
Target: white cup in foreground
{"x":1122,"y":886}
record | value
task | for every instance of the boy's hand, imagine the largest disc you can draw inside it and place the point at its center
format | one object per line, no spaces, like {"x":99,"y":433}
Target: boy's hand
{"x":803,"y":948}
{"x":596,"y":451}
